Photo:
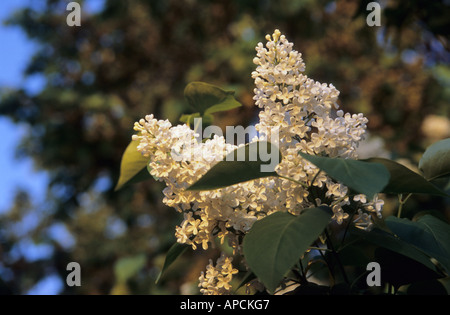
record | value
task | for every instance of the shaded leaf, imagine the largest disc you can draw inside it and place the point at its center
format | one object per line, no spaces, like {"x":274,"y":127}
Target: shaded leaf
{"x":276,"y":242}
{"x":363,"y":177}
{"x":174,"y":252}
{"x":389,"y":241}
{"x":310,"y":288}
{"x":429,"y":287}
{"x":435,"y":161}
{"x":206,"y":98}
{"x":402,"y":180}
{"x":398,"y":269}
{"x":430,"y":234}
{"x":249,"y":276}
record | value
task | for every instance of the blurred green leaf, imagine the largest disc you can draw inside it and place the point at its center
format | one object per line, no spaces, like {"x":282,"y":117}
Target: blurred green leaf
{"x":363,"y":177}
{"x":435,"y":161}
{"x":197,"y":125}
{"x":188,"y":119}
{"x":276,"y":242}
{"x":127,"y":267}
{"x":207,"y":99}
{"x":241,"y":165}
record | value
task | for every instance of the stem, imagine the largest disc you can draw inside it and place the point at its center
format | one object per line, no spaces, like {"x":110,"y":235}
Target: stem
{"x":318,"y":248}
{"x":401,"y":203}
{"x":315,"y":176}
{"x":336,"y":256}
{"x":302,"y":271}
{"x":338,"y":201}
{"x":350,"y":220}
{"x":325,"y":260}
{"x":389,"y":289}
{"x":294,"y":181}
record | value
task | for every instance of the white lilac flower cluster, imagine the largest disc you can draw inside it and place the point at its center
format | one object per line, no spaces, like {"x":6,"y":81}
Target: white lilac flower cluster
{"x":303,"y":114}
{"x":217,"y":278}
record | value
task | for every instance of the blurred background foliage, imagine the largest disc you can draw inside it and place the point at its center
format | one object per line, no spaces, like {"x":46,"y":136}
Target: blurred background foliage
{"x":134,"y":58}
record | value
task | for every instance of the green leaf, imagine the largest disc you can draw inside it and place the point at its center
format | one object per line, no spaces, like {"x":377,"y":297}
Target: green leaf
{"x":403,"y":180}
{"x":208,"y":99}
{"x":132,"y":166}
{"x":127,"y":267}
{"x":197,"y":125}
{"x":174,"y":252}
{"x":389,"y":241}
{"x":243,"y":164}
{"x":435,"y":161}
{"x":249,"y":276}
{"x":398,"y":269}
{"x":430,"y":234}
{"x":276,"y":242}
{"x":429,"y":287}
{"x":188,"y":119}
{"x":363,"y":177}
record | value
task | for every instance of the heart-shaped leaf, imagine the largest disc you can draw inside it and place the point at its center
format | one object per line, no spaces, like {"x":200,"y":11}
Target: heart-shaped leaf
{"x":276,"y":242}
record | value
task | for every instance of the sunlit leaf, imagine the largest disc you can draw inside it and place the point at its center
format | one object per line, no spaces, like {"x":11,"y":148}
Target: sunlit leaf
{"x":132,"y":166}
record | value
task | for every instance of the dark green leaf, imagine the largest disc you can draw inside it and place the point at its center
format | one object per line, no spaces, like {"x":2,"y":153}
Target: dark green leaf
{"x":429,"y":287}
{"x":430,"y":234}
{"x":398,"y":269}
{"x":243,"y":164}
{"x":404,"y":181}
{"x":132,"y":166}
{"x":311,"y":288}
{"x":386,"y":240}
{"x":174,"y":252}
{"x":435,"y":161}
{"x":249,"y":276}
{"x":275,"y":243}
{"x":363,"y":177}
{"x":208,"y":99}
